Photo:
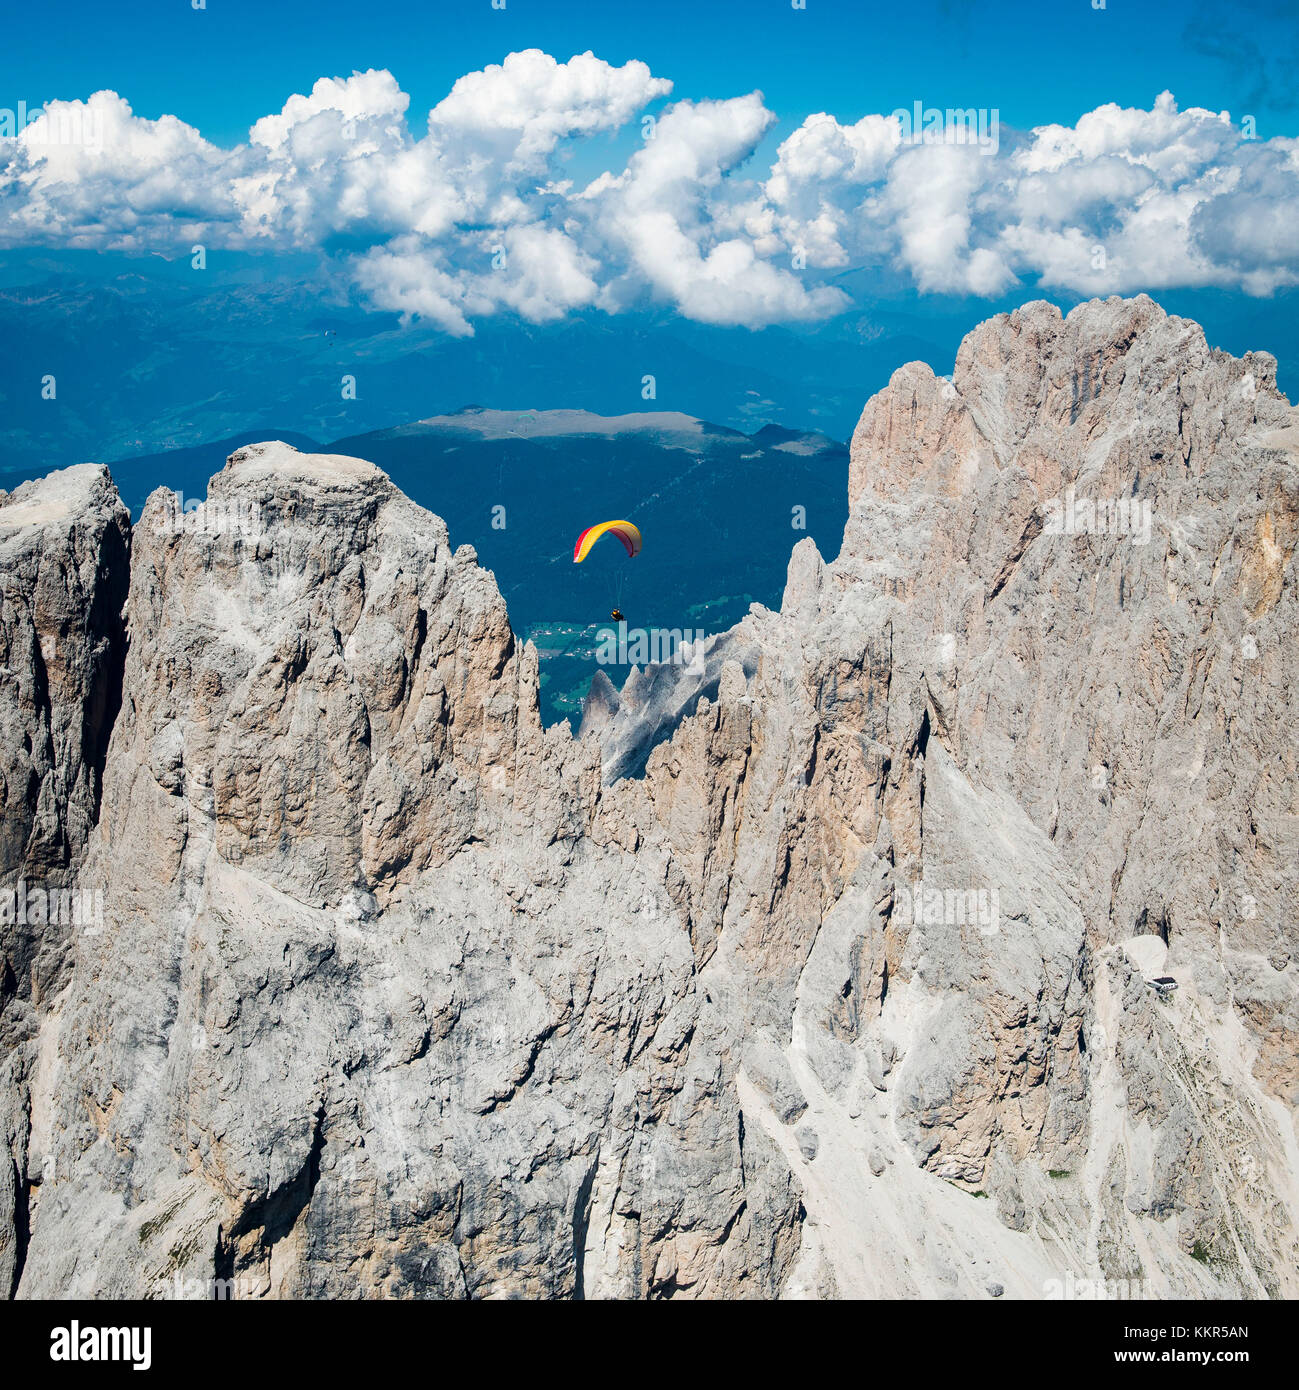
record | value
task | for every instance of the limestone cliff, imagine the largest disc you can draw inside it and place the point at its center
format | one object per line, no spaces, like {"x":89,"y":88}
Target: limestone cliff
{"x":820,"y":965}
{"x":64,"y":557}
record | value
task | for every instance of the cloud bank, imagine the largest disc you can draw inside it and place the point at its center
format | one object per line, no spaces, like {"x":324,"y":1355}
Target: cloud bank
{"x":472,"y":212}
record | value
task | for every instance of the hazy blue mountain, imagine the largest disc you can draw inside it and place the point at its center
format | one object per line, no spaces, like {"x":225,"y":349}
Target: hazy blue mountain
{"x":150,"y":356}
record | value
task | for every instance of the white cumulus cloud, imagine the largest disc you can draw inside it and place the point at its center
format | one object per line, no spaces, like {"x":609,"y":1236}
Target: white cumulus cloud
{"x":526,"y":105}
{"x":478,"y":213}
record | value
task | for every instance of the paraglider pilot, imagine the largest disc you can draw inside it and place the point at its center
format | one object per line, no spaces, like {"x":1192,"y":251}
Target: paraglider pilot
{"x":626,"y":532}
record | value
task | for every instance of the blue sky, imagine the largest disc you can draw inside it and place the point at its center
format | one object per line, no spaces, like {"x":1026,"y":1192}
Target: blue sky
{"x":1036,"y":60}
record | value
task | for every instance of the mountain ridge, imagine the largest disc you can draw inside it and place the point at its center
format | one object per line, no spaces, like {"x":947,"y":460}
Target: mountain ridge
{"x":845,"y":992}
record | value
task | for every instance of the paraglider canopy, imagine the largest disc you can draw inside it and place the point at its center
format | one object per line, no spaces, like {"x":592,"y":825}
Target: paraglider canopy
{"x":628,"y":534}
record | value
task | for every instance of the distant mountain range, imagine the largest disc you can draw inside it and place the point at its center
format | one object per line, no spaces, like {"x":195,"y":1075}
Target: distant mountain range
{"x":148,"y":356}
{"x":720,"y":511}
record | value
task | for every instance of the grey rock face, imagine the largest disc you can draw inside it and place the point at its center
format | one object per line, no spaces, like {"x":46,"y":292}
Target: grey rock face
{"x":816,"y":966}
{"x":64,"y":558}
{"x":64,"y":570}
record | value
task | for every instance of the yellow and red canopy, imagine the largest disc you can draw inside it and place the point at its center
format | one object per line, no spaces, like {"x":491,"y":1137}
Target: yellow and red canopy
{"x":624,"y":530}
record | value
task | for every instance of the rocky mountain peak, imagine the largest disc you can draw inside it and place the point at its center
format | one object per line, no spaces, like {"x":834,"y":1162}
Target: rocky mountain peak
{"x":833,"y":960}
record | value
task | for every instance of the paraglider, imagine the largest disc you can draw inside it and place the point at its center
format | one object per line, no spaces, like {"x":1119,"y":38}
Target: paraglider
{"x":624,"y":530}
{"x":627,"y":533}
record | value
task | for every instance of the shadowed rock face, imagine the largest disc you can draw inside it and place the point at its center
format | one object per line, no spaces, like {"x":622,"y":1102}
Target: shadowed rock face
{"x":64,"y":569}
{"x":816,"y":966}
